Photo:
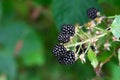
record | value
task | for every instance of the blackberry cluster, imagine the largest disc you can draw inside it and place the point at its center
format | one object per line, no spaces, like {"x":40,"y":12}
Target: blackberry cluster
{"x":64,"y":56}
{"x":92,"y":13}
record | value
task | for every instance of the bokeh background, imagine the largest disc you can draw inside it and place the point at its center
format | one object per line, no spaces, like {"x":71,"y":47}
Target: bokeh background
{"x":28,"y":32}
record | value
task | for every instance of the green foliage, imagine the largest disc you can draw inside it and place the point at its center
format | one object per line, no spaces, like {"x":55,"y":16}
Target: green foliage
{"x":104,"y":56}
{"x":115,"y":27}
{"x":113,"y":70}
{"x":8,"y":65}
{"x":71,"y":12}
{"x":93,"y":59}
{"x":19,"y":40}
{"x":7,"y":7}
{"x":119,"y":55}
{"x":22,"y":9}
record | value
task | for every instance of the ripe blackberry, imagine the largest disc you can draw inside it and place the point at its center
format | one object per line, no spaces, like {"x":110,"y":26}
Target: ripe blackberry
{"x":63,"y":38}
{"x":59,"y":50}
{"x":68,"y":29}
{"x":69,"y":58}
{"x":92,"y":13}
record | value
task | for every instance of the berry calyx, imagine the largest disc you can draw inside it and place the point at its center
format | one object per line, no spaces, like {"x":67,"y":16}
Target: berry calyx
{"x":68,"y":29}
{"x":59,"y":50}
{"x":92,"y":13}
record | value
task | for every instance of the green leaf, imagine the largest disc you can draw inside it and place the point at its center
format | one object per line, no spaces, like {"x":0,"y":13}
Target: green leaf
{"x":115,"y":27}
{"x":93,"y":59}
{"x":104,"y":56}
{"x":113,"y":70}
{"x":71,"y":12}
{"x":8,"y":66}
{"x":19,"y":39}
{"x":33,"y":58}
{"x":119,"y":55}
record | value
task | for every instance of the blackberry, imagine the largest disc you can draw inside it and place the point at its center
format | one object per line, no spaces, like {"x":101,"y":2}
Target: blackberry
{"x":59,"y":50}
{"x":68,"y":29}
{"x":69,"y":58}
{"x":92,"y":13}
{"x":63,"y":38}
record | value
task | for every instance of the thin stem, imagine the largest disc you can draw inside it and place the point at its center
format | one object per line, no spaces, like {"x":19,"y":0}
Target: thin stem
{"x":112,"y":16}
{"x":87,"y":48}
{"x":84,"y":33}
{"x":86,"y":41}
{"x":98,"y":28}
{"x":74,"y":46}
{"x":78,"y":50}
{"x":78,"y":34}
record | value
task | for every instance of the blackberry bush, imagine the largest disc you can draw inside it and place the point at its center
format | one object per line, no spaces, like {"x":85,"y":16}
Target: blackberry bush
{"x":86,"y":40}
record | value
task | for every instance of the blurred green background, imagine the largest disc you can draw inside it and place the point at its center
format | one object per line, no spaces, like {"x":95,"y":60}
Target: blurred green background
{"x":28,"y":32}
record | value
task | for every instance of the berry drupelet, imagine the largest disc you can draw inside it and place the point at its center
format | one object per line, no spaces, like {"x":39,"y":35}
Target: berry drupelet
{"x":68,"y":29}
{"x":92,"y":13}
{"x":60,"y":59}
{"x":63,"y":38}
{"x":59,"y":50}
